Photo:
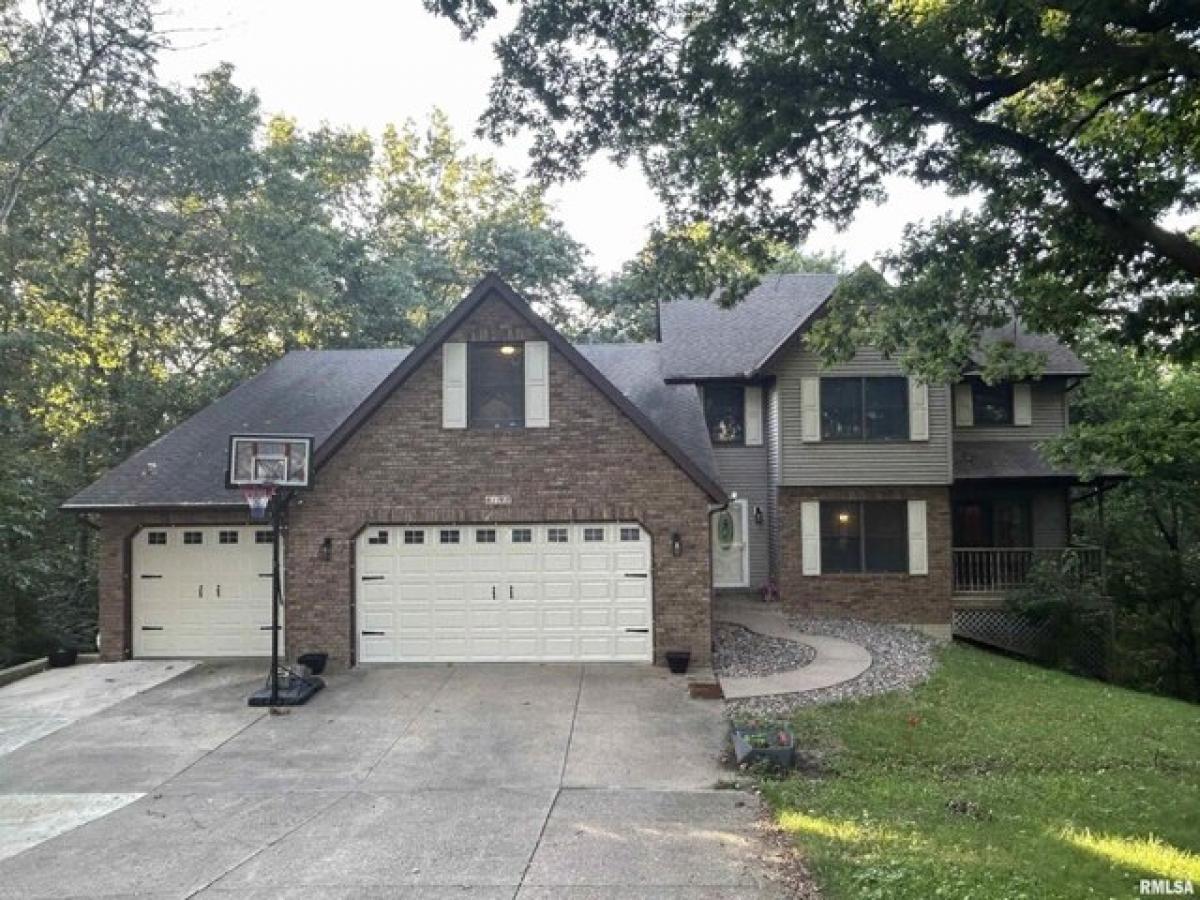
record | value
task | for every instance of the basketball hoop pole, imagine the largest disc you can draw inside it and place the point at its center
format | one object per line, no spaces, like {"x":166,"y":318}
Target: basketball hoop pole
{"x":278,"y":502}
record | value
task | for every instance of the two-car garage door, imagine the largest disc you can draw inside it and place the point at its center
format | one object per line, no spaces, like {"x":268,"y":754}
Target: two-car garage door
{"x":202,"y":591}
{"x":504,"y":592}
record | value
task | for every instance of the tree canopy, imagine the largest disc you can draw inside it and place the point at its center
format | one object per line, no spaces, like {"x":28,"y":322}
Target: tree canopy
{"x":1074,"y":126}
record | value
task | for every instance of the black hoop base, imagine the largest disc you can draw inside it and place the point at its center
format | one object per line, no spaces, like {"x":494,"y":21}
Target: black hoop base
{"x":296,"y":692}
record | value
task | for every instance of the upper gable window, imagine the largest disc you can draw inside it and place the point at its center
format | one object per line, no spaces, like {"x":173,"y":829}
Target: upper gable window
{"x":992,"y":404}
{"x":496,"y":384}
{"x":864,"y":409}
{"x":725,"y":412}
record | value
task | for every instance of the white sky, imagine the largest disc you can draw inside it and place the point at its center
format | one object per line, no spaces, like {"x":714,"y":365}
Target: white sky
{"x":365,"y":63}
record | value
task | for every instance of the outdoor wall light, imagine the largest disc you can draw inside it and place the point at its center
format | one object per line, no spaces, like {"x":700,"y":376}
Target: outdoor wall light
{"x":676,"y":544}
{"x":327,"y":549}
{"x":758,"y":515}
{"x":508,"y":350}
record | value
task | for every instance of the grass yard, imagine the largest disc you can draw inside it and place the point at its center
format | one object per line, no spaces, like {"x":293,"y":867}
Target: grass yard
{"x":997,"y":779}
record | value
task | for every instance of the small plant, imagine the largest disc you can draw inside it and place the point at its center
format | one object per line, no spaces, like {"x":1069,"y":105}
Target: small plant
{"x":769,"y":591}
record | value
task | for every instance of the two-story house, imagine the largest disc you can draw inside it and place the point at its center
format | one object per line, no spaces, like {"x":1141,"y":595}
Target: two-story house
{"x":858,"y":491}
{"x":497,"y":493}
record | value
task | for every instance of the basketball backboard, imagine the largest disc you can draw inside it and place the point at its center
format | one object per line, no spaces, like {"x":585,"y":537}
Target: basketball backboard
{"x":283,"y":460}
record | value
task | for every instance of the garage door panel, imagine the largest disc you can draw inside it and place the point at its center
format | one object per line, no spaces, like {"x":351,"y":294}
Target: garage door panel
{"x":198,"y":591}
{"x":537,"y":592}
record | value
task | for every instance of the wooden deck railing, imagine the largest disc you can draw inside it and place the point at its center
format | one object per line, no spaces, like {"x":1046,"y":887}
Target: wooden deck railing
{"x":994,"y":570}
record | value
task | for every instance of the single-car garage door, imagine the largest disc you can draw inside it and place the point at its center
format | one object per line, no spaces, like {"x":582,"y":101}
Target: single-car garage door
{"x":504,"y":592}
{"x":202,"y":591}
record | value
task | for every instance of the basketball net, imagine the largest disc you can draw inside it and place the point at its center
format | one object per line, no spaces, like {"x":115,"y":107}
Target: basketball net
{"x":258,"y":498}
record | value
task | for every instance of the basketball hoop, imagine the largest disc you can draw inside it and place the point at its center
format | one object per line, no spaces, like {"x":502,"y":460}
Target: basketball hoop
{"x":258,"y":498}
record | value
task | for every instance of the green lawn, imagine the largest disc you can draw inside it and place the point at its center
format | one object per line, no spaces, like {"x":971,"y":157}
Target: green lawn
{"x":997,"y":779}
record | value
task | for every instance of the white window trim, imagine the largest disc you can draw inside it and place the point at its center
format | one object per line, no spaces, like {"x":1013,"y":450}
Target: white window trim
{"x":753,"y":415}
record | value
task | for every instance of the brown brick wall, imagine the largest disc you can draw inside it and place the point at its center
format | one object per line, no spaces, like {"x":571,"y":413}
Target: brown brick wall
{"x":403,"y":467}
{"x":923,"y":599}
{"x":115,"y":531}
{"x":592,"y":463}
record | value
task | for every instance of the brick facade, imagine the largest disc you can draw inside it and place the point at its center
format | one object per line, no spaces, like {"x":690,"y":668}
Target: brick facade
{"x":402,"y":467}
{"x":915,"y":599}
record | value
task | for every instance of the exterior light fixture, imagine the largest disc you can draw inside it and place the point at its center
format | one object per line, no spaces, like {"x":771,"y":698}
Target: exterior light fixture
{"x":758,"y":515}
{"x":844,"y":518}
{"x":327,"y":549}
{"x":508,"y":350}
{"x":676,"y":544}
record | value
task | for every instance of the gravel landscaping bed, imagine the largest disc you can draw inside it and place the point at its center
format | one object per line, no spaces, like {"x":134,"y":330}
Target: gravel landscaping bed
{"x":900,"y":659}
{"x":742,"y":653}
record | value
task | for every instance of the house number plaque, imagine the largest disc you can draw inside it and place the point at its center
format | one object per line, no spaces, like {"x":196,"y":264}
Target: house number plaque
{"x":498,"y":500}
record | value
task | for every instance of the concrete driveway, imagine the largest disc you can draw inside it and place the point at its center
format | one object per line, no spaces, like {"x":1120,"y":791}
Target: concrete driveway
{"x":477,"y":781}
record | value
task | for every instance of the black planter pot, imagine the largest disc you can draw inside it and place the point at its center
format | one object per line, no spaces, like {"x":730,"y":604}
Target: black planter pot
{"x":677,"y":661}
{"x":61,"y":658}
{"x":314,"y":662}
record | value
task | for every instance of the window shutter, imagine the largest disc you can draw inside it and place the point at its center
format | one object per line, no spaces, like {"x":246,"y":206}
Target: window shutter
{"x":964,"y":412}
{"x":537,"y":384}
{"x":810,"y":409}
{"x":754,"y":416}
{"x":918,"y":541}
{"x":454,"y":385}
{"x":810,"y":537}
{"x":1022,"y":404}
{"x":918,"y":410}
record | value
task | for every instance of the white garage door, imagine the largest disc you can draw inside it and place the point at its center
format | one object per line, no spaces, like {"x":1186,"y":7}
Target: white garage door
{"x":202,"y":591}
{"x":504,"y":592}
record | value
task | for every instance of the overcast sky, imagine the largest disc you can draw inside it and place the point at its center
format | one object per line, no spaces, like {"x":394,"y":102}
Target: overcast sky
{"x":365,"y":63}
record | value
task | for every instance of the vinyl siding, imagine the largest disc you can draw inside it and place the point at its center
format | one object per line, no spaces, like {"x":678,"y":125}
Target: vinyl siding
{"x":744,"y":471}
{"x":867,"y":463}
{"x":1048,"y":400}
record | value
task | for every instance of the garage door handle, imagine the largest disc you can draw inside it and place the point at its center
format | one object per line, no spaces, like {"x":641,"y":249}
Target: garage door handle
{"x":200,"y":591}
{"x":374,"y":633}
{"x":265,"y":627}
{"x":372,"y":578}
{"x":151,"y":576}
{"x":264,"y":574}
{"x":638,"y":630}
{"x":636,"y":575}
{"x":152,"y":628}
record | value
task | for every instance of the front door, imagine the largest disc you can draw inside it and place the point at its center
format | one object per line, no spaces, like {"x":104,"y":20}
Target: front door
{"x":730,"y":552}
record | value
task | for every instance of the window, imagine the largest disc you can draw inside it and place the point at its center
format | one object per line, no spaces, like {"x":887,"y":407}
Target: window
{"x":522,"y":535}
{"x":156,"y":537}
{"x":193,"y":537}
{"x":725,"y":412}
{"x":379,"y":537}
{"x":485,"y":535}
{"x":992,"y":404}
{"x":864,"y":537}
{"x":592,"y":535}
{"x":264,"y":537}
{"x":995,"y":522}
{"x":631,"y":534}
{"x":556,"y":535}
{"x":227,"y":537}
{"x":449,"y":536}
{"x":864,"y":409}
{"x":496,"y":384}
{"x":414,"y":536}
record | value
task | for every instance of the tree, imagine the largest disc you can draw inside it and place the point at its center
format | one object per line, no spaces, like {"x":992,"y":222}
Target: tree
{"x":1142,"y":417}
{"x":57,"y":68}
{"x":1074,"y":124}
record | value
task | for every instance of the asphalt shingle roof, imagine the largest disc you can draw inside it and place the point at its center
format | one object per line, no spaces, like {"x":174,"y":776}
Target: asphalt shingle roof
{"x":701,"y":339}
{"x":1003,"y":459}
{"x":313,"y":392}
{"x":636,"y":371}
{"x":1060,"y":359}
{"x":305,"y":392}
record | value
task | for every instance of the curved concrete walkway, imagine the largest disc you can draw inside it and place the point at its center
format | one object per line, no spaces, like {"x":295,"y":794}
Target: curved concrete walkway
{"x":836,"y":660}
